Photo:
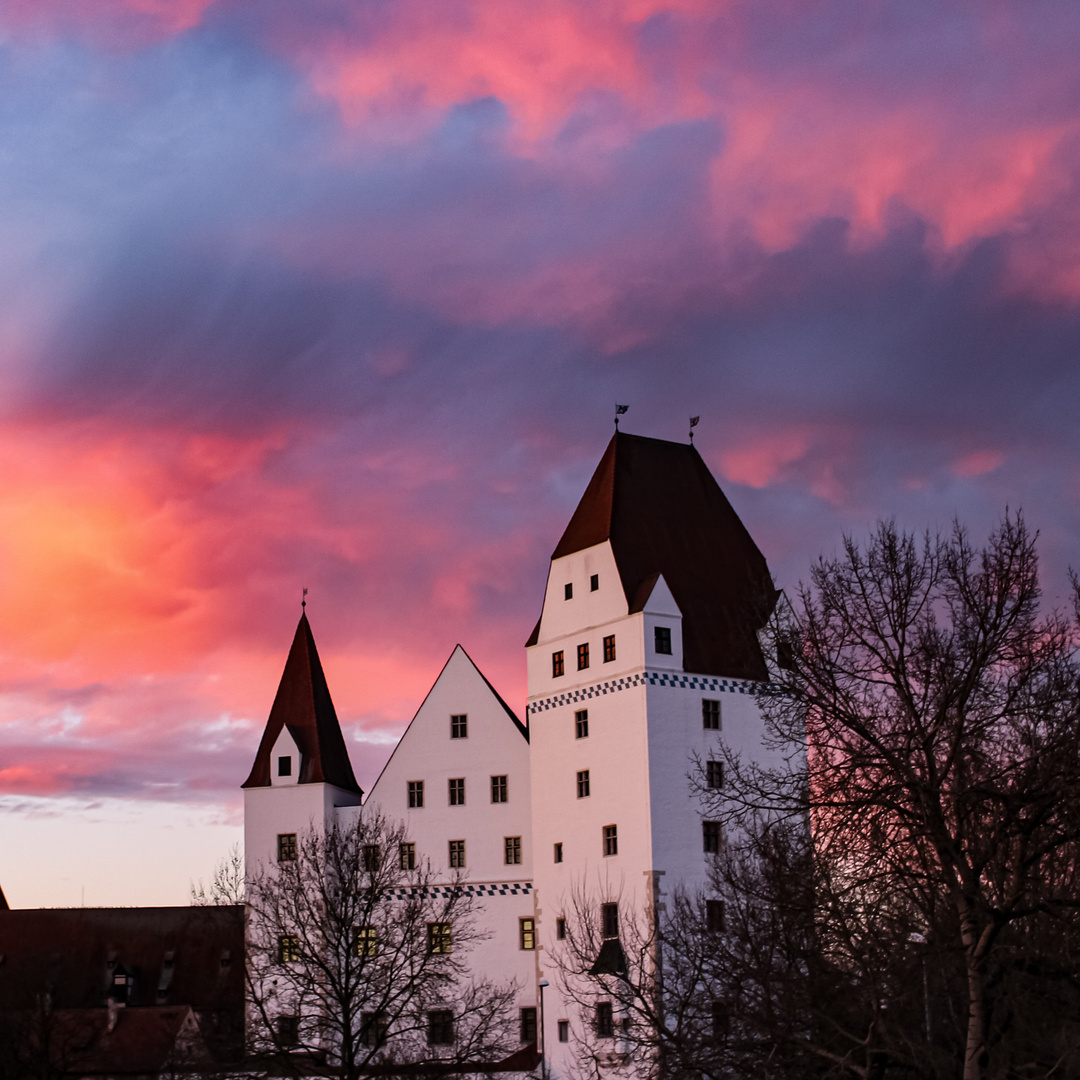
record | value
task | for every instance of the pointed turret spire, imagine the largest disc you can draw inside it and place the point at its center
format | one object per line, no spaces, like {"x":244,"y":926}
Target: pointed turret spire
{"x":303,"y":705}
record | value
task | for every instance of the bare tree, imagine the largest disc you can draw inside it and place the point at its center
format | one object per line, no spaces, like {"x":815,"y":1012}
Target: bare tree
{"x":358,"y":959}
{"x":941,"y":710}
{"x":227,"y":886}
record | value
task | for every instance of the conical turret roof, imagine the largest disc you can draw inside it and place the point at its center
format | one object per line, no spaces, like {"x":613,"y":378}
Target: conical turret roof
{"x":303,"y":705}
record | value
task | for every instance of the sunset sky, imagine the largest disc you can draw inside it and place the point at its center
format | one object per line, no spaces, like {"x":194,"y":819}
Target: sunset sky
{"x":341,"y":294}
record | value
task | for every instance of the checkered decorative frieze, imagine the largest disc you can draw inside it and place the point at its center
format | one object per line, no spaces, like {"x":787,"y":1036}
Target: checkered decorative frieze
{"x":511,"y":888}
{"x":652,"y":678}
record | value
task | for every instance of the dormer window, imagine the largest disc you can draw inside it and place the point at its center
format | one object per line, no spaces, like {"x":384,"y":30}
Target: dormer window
{"x":568,"y":591}
{"x":284,"y":766}
{"x":662,"y":640}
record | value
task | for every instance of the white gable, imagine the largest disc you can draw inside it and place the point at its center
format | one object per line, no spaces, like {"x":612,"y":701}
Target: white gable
{"x":285,"y":748}
{"x":661,"y":602}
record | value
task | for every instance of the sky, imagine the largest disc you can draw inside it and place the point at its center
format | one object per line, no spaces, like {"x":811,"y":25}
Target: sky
{"x":342,"y":294}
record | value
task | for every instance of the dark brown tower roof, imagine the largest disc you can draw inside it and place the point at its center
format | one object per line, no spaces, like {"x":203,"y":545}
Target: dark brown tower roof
{"x":664,"y":513}
{"x":303,"y":705}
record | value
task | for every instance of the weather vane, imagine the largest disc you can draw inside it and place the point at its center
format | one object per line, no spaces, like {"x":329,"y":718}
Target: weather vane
{"x":303,"y":600}
{"x":619,"y":410}
{"x":693,"y":424}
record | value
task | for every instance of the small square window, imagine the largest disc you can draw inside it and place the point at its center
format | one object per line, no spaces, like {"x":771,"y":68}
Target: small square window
{"x":528,"y":1025}
{"x":583,"y":656}
{"x":558,"y":665}
{"x":407,"y":853}
{"x":288,"y":948}
{"x":459,"y":726}
{"x":457,"y":791}
{"x":564,"y":1031}
{"x":512,"y":850}
{"x":583,"y":784}
{"x":284,"y":766}
{"x":714,"y":775}
{"x":605,"y":1020}
{"x":662,"y":639}
{"x":710,"y":714}
{"x":365,"y":941}
{"x":558,"y":852}
{"x":439,"y":939}
{"x":611,"y":840}
{"x":594,"y":583}
{"x":286,"y":847}
{"x":288,"y":1031}
{"x":714,"y":916}
{"x":416,"y":794}
{"x":710,"y":832}
{"x":609,"y":648}
{"x":372,"y":857}
{"x":581,"y":724}
{"x":527,"y":934}
{"x":560,"y":929}
{"x":568,"y":591}
{"x":609,"y":921}
{"x":440,"y":1030}
{"x":457,"y":854}
{"x":498,"y":789}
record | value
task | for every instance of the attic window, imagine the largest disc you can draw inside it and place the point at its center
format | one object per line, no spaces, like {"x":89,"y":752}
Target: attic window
{"x":663,"y":639}
{"x":594,"y":583}
{"x":284,"y":766}
{"x":568,"y":591}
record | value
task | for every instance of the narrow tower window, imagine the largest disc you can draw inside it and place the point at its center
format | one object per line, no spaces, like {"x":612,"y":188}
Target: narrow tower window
{"x":662,"y":639}
{"x":594,"y":583}
{"x":558,"y":666}
{"x":558,"y":852}
{"x":609,"y":648}
{"x":568,"y":591}
{"x":583,"y":656}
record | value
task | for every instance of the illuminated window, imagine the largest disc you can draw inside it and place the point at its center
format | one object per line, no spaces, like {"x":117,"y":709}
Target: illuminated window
{"x":365,"y":941}
{"x":583,"y":656}
{"x":439,"y":939}
{"x":609,"y":648}
{"x":527,"y":933}
{"x":288,"y":948}
{"x":558,"y":666}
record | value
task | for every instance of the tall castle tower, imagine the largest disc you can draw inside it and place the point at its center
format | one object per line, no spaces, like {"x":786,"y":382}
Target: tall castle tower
{"x":645,"y":655}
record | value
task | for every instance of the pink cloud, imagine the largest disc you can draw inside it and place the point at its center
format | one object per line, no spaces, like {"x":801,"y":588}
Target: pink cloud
{"x":978,"y":463}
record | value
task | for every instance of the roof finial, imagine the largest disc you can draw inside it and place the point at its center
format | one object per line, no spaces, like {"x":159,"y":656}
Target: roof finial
{"x":619,"y":410}
{"x":693,"y":424}
{"x":303,"y":600}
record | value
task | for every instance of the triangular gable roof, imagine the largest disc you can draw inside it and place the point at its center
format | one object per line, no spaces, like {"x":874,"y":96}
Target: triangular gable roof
{"x":303,"y":704}
{"x":664,"y":513}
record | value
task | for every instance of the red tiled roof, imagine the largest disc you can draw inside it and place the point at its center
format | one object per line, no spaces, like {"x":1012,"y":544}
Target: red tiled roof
{"x":303,"y":704}
{"x":664,"y":513}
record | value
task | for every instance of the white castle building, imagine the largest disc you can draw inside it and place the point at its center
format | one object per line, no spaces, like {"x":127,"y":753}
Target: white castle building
{"x":645,"y":654}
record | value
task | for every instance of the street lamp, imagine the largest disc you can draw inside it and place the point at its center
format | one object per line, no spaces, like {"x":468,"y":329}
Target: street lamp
{"x":543,"y":1037}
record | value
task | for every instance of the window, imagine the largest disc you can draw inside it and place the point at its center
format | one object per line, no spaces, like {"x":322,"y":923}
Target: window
{"x":286,"y":847}
{"x":498,"y":789}
{"x":284,"y":768}
{"x":557,"y":665}
{"x":365,"y":941}
{"x":611,"y":840}
{"x":662,"y":639}
{"x":609,"y":648}
{"x":439,"y":939}
{"x":440,"y":1028}
{"x":609,"y":921}
{"x":407,"y":856}
{"x":605,"y":1020}
{"x":581,"y":724}
{"x":459,"y":726}
{"x":288,"y":1031}
{"x":416,"y":794}
{"x":568,"y":591}
{"x":558,"y":852}
{"x":512,"y":847}
{"x":564,"y":1031}
{"x":560,"y":929}
{"x":457,"y":791}
{"x":372,"y":857}
{"x":288,"y":948}
{"x":583,"y":656}
{"x":721,"y":1021}
{"x":710,"y":714}
{"x":527,"y":934}
{"x":714,"y":775}
{"x":583,"y":784}
{"x":714,"y":916}
{"x":373,"y":1028}
{"x":528,"y":1025}
{"x":594,"y":583}
{"x":710,"y":831}
{"x":457,"y":854}
{"x":785,"y":654}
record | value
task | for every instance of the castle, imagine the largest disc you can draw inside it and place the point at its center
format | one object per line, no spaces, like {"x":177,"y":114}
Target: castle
{"x":645,"y":654}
